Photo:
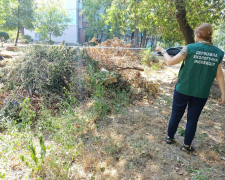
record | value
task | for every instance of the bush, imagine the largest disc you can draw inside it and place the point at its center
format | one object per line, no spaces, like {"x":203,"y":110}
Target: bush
{"x":50,"y":42}
{"x":108,"y":98}
{"x":3,"y":37}
{"x":26,"y":39}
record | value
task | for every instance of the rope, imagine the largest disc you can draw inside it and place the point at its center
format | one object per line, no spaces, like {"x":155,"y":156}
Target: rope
{"x":92,"y":47}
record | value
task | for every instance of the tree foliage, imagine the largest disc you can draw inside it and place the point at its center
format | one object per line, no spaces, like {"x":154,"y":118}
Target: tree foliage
{"x":173,"y":20}
{"x":176,"y":16}
{"x":94,"y":13}
{"x":4,"y":9}
{"x":18,"y":11}
{"x":52,"y":18}
{"x":219,"y":34}
{"x":17,"y":14}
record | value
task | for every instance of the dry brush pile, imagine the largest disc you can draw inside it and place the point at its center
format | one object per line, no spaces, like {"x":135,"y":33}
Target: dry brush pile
{"x":116,"y":55}
{"x":56,"y":78}
{"x":111,"y":54}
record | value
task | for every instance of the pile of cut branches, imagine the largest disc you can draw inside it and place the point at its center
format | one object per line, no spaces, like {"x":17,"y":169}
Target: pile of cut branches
{"x":49,"y":76}
{"x":115,"y":55}
{"x":112,"y":55}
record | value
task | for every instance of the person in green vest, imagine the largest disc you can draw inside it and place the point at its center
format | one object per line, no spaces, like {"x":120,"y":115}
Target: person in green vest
{"x":201,"y":65}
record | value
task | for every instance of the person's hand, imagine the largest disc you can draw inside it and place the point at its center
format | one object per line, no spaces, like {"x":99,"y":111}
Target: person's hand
{"x":222,"y":100}
{"x":159,"y":49}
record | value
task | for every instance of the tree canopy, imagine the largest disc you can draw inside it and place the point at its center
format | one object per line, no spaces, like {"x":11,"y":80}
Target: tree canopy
{"x":173,"y":20}
{"x":52,"y":18}
{"x":17,"y":14}
{"x":94,"y":13}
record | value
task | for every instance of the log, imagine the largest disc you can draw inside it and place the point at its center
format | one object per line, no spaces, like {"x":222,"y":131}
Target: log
{"x":134,"y":68}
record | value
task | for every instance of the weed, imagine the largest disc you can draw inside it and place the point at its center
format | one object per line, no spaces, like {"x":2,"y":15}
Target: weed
{"x":27,"y":114}
{"x":106,"y":98}
{"x":218,"y":147}
{"x":159,"y":104}
{"x":155,"y":66}
{"x":37,"y":163}
{"x":102,"y":169}
{"x":181,"y":131}
{"x":200,"y":175}
{"x":43,"y":148}
{"x":2,"y":175}
{"x":146,"y":56}
{"x":113,"y":147}
{"x":202,"y":136}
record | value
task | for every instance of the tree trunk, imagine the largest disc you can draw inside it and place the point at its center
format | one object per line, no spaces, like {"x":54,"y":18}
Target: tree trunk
{"x":152,"y":42}
{"x":155,"y":42}
{"x":146,"y":42}
{"x":182,"y":21}
{"x":132,"y":36}
{"x":136,"y":36}
{"x":143,"y":39}
{"x":17,"y":36}
{"x":18,"y":30}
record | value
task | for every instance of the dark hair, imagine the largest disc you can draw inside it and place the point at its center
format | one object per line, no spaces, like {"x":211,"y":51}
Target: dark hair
{"x":204,"y":31}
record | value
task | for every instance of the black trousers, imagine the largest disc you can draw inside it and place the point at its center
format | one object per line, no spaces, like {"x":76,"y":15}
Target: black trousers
{"x":195,"y":106}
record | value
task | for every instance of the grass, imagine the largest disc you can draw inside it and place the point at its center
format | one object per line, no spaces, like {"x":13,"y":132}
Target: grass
{"x":129,"y":147}
{"x":107,"y":136}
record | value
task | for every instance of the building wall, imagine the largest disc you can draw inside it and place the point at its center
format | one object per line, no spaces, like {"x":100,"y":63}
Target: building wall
{"x":69,"y":35}
{"x":82,"y":27}
{"x":75,"y":33}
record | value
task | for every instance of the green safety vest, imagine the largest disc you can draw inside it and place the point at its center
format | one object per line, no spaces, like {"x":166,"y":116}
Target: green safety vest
{"x":198,"y":71}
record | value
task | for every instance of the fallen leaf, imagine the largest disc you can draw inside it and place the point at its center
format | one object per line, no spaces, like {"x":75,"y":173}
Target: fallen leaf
{"x":78,"y":126}
{"x":179,"y":171}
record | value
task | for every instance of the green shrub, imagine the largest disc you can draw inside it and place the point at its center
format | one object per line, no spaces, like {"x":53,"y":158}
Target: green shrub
{"x":3,"y":37}
{"x":107,"y":98}
{"x":26,"y":39}
{"x":181,"y":131}
{"x":146,"y":56}
{"x":27,"y":114}
{"x":150,"y":60}
{"x":50,"y":42}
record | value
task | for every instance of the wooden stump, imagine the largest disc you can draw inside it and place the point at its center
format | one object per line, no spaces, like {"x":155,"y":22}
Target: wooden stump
{"x":110,"y":80}
{"x":12,"y":48}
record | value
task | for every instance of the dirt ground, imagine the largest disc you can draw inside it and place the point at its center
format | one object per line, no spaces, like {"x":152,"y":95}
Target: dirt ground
{"x":131,"y":145}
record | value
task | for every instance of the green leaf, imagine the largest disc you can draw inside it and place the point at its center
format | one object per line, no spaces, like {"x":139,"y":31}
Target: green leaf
{"x":181,"y":131}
